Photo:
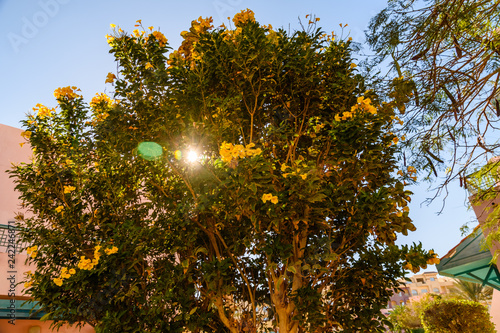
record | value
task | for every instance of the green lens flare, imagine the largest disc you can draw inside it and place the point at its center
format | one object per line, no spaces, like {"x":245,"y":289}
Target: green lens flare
{"x":149,"y":150}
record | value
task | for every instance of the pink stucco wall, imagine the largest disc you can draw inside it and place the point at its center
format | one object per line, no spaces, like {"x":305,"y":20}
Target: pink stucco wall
{"x":482,"y":210}
{"x":12,"y":152}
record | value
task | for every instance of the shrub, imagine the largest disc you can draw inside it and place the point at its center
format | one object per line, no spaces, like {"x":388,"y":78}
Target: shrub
{"x":451,"y":316}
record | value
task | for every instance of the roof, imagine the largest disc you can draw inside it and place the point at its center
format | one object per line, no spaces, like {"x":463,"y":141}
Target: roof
{"x":470,"y":261}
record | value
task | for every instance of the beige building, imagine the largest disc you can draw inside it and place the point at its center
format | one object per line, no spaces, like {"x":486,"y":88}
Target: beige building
{"x":428,"y":282}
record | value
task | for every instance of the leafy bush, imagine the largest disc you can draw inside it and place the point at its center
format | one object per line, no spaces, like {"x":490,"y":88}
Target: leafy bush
{"x":450,"y":316}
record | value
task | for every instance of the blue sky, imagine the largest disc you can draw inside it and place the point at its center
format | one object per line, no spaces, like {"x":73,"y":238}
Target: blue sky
{"x":45,"y":44}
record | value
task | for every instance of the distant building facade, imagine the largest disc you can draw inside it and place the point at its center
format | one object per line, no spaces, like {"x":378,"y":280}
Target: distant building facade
{"x":418,"y":286}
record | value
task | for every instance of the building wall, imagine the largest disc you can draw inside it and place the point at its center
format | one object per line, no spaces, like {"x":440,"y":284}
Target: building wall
{"x":429,"y":282}
{"x":10,"y":152}
{"x":414,"y":290}
{"x":13,"y":272}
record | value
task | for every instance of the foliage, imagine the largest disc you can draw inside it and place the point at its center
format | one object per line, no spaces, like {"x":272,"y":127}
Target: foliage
{"x":287,"y":220}
{"x":446,"y":316}
{"x":445,"y":53}
{"x":472,"y":291}
{"x":407,"y":317}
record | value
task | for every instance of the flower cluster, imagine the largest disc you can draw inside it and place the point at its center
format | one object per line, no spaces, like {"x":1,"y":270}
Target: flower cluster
{"x":42,"y":111}
{"x":110,"y":78}
{"x":362,"y":104}
{"x":88,"y":264}
{"x":59,"y":209}
{"x":230,"y":152}
{"x":26,"y":134}
{"x":434,"y":260}
{"x":162,"y":40}
{"x":112,"y":250}
{"x":269,"y":197}
{"x":66,"y":92}
{"x":69,"y":189}
{"x":29,"y":278}
{"x":32,"y":251}
{"x":65,"y":274}
{"x":100,"y":98}
{"x":243,"y":17}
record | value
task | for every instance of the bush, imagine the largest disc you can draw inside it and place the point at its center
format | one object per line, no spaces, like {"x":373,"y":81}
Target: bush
{"x":451,"y":316}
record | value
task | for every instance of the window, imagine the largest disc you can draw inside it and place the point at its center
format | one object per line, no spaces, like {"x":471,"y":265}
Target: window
{"x":423,"y":291}
{"x":432,"y":279}
{"x":420,"y":281}
{"x":436,"y":290}
{"x":414,"y":292}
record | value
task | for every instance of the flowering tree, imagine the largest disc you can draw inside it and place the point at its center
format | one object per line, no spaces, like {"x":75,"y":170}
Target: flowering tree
{"x":285,"y":217}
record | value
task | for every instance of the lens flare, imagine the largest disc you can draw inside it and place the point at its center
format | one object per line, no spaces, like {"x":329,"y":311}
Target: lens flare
{"x":149,"y":150}
{"x":192,"y":156}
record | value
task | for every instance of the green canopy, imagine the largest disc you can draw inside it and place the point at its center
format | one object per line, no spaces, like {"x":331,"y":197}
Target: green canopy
{"x":468,"y":261}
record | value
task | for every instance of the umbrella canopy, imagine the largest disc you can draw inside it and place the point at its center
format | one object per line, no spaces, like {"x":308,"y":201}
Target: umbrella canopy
{"x":469,"y":261}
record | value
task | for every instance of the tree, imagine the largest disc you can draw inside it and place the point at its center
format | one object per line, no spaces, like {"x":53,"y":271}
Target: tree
{"x":444,"y":62}
{"x":286,"y":220}
{"x":473,"y":291}
{"x":406,"y":318}
{"x":446,"y":316}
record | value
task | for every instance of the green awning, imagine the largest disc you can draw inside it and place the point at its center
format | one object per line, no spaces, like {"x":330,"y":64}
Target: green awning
{"x":19,"y":309}
{"x":469,"y":262}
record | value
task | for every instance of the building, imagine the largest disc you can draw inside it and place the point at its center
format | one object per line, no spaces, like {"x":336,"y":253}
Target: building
{"x":15,"y":316}
{"x":470,"y":260}
{"x":418,"y":286}
{"x":428,"y":282}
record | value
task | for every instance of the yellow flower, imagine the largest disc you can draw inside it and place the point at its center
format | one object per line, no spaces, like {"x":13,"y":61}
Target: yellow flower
{"x":32,"y":251}
{"x":72,"y":271}
{"x":274,"y":199}
{"x":150,"y":28}
{"x":243,"y":17}
{"x":28,"y":284}
{"x":59,"y":209}
{"x":112,"y":250}
{"x":110,"y":78}
{"x":353,"y":65}
{"x":69,"y":189}
{"x":110,"y":39}
{"x":266,"y":197}
{"x":162,"y":40}
{"x":395,"y":140}
{"x":139,"y":21}
{"x":283,"y":167}
{"x":58,"y":281}
{"x":64,"y":273}
{"x":346,"y":115}
{"x":304,"y":176}
{"x":148,"y":66}
{"x":85,"y":264}
{"x":43,"y":111}
{"x":26,"y":134}
{"x":67,"y":93}
{"x":112,"y":26}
